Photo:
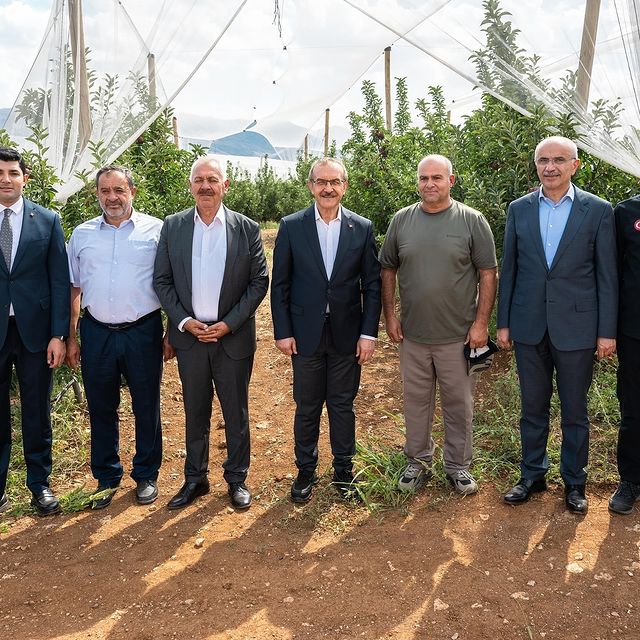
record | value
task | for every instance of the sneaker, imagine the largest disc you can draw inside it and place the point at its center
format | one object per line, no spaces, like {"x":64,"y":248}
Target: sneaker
{"x":414,"y":476}
{"x":346,"y":485}
{"x":624,"y":497}
{"x":462,"y":482}
{"x":302,"y":486}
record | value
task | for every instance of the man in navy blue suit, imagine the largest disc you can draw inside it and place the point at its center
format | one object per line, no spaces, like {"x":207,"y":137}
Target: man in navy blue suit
{"x":557,"y":304}
{"x":34,"y":323}
{"x":325,"y":303}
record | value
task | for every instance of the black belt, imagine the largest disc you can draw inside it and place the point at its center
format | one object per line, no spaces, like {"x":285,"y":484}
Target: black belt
{"x":122,"y":326}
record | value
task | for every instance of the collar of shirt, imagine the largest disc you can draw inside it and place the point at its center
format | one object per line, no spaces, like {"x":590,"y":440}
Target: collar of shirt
{"x":318,"y":217}
{"x":571,"y":194}
{"x":221,"y":217}
{"x":131,"y":219}
{"x":17,"y":207}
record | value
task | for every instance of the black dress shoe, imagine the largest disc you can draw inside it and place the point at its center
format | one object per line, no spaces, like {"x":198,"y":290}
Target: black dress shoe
{"x":45,"y":502}
{"x":4,"y":503}
{"x":188,"y":493}
{"x":146,"y":491}
{"x":523,"y":490}
{"x":105,"y":498}
{"x":240,"y":496}
{"x":302,"y":486}
{"x":575,"y":498}
{"x":347,"y":485}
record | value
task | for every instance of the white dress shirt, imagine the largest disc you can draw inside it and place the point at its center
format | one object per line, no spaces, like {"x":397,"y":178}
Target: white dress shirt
{"x":209,"y":254}
{"x":113,"y":267}
{"x":16,"y":228}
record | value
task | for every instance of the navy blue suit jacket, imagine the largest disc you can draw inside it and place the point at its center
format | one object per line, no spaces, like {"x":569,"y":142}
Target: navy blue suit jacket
{"x":576,"y":299}
{"x":301,"y":290}
{"x":38,"y":285}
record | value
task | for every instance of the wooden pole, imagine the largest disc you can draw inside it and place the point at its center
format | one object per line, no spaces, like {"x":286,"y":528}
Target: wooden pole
{"x":151,"y":72}
{"x":78,"y":52}
{"x":176,"y":137}
{"x":587,"y":51}
{"x":387,"y":86}
{"x":306,"y":147}
{"x":326,"y":133}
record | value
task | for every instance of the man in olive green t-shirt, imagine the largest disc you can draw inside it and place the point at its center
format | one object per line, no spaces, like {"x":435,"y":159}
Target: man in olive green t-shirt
{"x":443,"y":255}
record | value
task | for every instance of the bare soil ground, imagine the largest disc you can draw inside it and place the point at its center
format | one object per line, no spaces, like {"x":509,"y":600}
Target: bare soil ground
{"x":444,"y":568}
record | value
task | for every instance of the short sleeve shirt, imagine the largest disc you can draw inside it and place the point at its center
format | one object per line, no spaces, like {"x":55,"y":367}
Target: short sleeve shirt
{"x":437,"y":257}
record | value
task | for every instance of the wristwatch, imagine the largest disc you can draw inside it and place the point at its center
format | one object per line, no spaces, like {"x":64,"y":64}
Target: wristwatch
{"x":63,"y":338}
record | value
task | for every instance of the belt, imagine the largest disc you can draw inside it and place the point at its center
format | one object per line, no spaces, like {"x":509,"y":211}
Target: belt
{"x":122,"y":326}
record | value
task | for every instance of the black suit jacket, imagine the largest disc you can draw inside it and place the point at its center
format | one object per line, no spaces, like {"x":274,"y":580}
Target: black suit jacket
{"x":301,"y":290}
{"x":244,"y":284}
{"x":38,"y":285}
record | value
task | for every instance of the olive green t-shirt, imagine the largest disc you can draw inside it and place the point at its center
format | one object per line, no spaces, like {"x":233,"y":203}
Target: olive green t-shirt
{"x":437,"y":257}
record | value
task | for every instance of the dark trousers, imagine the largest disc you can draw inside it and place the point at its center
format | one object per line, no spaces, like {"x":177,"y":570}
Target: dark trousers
{"x":203,"y":368}
{"x":629,"y":398}
{"x":326,"y":376}
{"x":34,"y":378}
{"x":574,"y":370}
{"x":107,"y":355}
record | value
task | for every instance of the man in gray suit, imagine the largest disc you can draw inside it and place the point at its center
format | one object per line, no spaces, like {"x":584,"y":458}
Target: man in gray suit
{"x":210,"y":276}
{"x":557,"y":304}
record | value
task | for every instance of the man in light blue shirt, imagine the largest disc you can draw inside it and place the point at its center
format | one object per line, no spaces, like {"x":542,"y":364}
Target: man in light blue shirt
{"x":111,"y":261}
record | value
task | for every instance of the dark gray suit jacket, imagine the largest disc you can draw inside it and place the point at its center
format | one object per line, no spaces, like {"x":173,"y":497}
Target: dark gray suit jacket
{"x":38,"y":285}
{"x":244,"y":284}
{"x":300,"y":289}
{"x":576,"y":299}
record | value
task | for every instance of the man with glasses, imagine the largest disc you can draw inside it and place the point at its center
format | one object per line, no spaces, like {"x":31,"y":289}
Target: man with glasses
{"x":443,"y":256}
{"x":325,"y":303}
{"x":557,"y":304}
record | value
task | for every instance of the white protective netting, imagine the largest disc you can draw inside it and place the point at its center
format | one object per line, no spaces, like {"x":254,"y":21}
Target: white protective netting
{"x":247,"y":66}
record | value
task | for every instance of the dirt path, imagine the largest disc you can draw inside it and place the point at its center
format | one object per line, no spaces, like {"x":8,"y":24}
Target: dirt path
{"x":470,"y":569}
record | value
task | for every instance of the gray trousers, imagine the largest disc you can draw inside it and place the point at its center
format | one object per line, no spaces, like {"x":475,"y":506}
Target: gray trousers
{"x":421,"y":365}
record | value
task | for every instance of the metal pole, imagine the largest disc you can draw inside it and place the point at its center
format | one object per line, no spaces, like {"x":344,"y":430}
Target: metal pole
{"x":587,"y":51}
{"x":387,"y":86}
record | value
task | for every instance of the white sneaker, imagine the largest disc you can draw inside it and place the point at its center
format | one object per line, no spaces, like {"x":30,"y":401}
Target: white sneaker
{"x":414,"y":476}
{"x":463,"y":482}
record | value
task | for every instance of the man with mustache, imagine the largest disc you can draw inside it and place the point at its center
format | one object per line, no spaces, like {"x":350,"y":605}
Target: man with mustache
{"x":211,"y":275}
{"x":557,"y":304}
{"x":111,"y":261}
{"x":443,"y":256}
{"x":325,"y":303}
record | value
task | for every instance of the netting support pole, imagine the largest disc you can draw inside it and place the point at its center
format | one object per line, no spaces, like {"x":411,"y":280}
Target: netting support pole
{"x":587,"y":50}
{"x":176,"y":137}
{"x":387,"y":86}
{"x":151,"y":72}
{"x":306,"y":147}
{"x":326,"y":132}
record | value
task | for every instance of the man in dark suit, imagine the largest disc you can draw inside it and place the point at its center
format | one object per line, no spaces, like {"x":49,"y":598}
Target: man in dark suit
{"x":325,"y":303}
{"x":34,"y":296}
{"x":210,"y":276}
{"x":557,"y":304}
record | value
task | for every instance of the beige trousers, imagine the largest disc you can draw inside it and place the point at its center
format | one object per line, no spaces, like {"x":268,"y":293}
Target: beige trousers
{"x":421,"y":365}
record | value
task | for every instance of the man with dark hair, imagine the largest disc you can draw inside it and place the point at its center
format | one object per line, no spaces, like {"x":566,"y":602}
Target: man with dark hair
{"x":325,"y":303}
{"x":557,"y":304}
{"x":211,"y":275}
{"x":111,"y":261}
{"x":34,"y":293}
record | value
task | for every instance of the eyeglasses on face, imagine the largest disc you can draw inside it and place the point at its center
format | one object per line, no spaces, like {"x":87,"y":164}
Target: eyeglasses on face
{"x":321,"y":182}
{"x":559,"y":161}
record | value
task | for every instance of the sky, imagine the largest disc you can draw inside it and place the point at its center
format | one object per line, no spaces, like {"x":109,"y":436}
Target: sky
{"x":328,"y":54}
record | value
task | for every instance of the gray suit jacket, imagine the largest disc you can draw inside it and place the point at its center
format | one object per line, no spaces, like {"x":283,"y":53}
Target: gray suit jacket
{"x":244,"y":284}
{"x":576,"y":299}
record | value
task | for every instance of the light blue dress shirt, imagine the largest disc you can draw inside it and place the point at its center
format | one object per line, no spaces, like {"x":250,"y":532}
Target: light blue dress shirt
{"x":553,"y":220}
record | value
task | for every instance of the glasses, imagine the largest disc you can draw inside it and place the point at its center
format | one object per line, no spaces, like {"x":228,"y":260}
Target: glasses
{"x":321,"y":182}
{"x":543,"y":162}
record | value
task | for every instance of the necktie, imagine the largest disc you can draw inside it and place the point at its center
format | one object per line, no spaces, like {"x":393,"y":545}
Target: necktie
{"x":6,"y":237}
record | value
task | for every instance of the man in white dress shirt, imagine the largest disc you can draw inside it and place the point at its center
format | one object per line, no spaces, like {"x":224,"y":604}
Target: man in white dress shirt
{"x":111,"y":261}
{"x":211,"y":275}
